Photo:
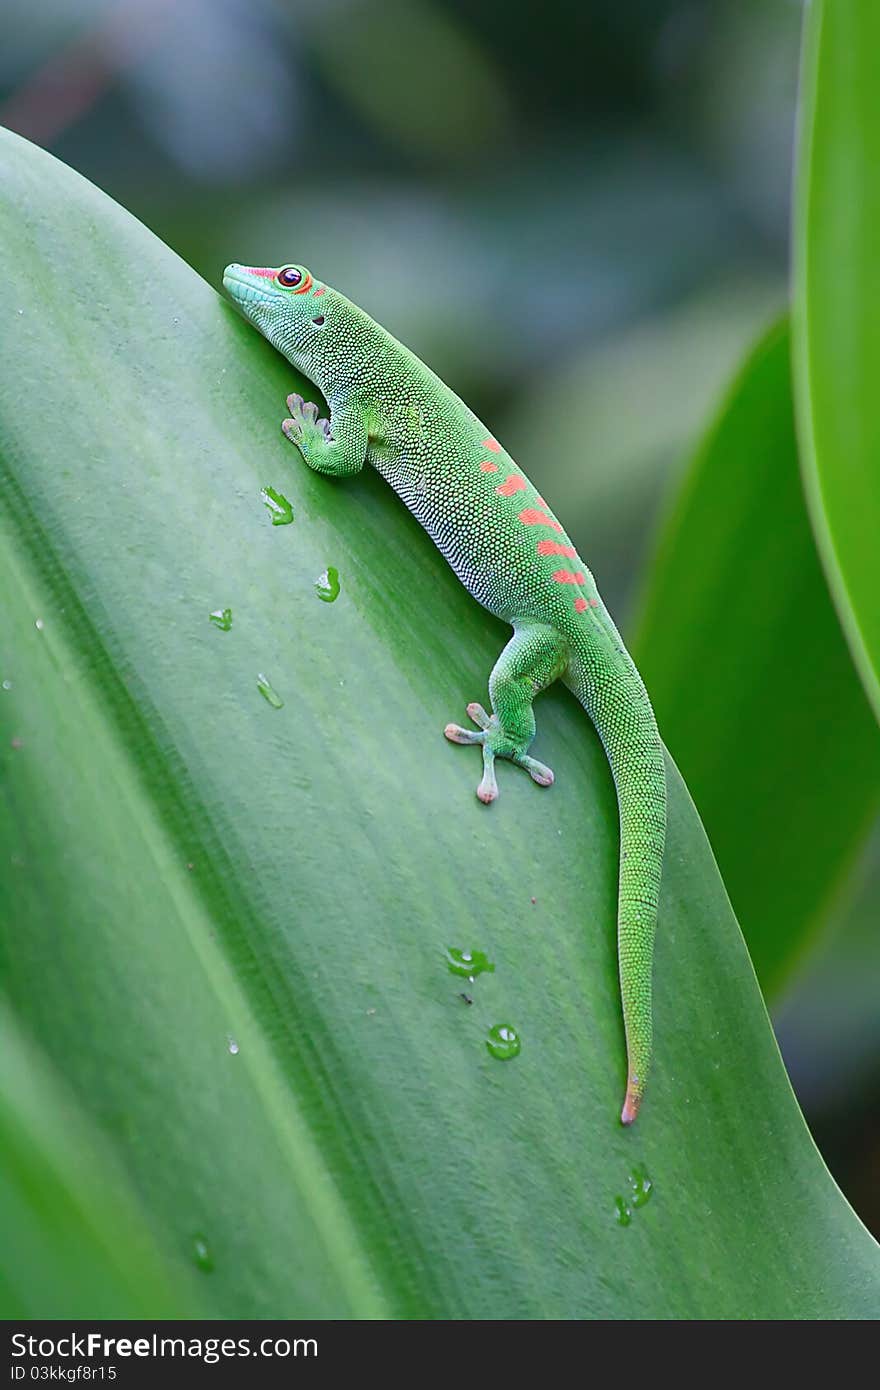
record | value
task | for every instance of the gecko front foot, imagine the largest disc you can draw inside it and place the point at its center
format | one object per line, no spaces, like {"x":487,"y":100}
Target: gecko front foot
{"x":497,"y":744}
{"x":305,"y":426}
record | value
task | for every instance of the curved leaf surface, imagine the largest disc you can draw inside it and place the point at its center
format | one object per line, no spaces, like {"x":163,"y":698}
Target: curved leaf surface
{"x":192,"y":865}
{"x":836,"y":311}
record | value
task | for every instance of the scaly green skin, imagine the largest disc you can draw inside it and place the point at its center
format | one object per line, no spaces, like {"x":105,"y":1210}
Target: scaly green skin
{"x":506,"y":546}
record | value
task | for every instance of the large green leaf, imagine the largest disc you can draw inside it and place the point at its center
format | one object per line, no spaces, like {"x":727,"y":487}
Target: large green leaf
{"x":751,"y":677}
{"x":190,"y":865}
{"x":73,"y":1237}
{"x":837,"y":310}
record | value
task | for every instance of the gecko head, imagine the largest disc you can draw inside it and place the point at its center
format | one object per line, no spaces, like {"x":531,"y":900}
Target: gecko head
{"x":293,"y":310}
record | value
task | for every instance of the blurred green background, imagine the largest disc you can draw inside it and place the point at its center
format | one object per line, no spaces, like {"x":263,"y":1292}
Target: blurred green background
{"x":577,"y":214}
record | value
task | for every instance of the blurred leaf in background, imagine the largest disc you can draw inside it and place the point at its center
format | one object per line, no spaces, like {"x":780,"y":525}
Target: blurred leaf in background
{"x":837,"y":312}
{"x":751,"y":677}
{"x":626,"y":414}
{"x":828,"y":1026}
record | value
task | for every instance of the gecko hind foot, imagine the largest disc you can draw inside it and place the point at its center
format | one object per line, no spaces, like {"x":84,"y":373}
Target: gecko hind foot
{"x":496,"y":744}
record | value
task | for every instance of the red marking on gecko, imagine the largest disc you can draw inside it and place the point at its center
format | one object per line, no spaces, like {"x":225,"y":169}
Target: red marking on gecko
{"x":532,"y":517}
{"x":487,"y":466}
{"x":541,"y":502}
{"x":266,"y":271}
{"x":554,"y":548}
{"x":492,"y":445}
{"x":322,"y":289}
{"x":513,"y":483}
{"x":568,"y":576}
{"x":580,"y":604}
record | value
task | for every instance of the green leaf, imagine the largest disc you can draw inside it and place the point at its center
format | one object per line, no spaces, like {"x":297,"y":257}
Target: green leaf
{"x":73,"y":1238}
{"x":751,"y":678}
{"x":837,"y":311}
{"x":191,"y":865}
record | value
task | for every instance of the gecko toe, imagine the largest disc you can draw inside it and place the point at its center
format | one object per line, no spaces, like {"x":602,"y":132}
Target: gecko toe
{"x":487,"y":791}
{"x":538,"y":772}
{"x":479,"y":716}
{"x":456,"y":734}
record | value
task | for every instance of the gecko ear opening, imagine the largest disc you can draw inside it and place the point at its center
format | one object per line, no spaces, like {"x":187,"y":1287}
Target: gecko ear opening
{"x":319,"y":320}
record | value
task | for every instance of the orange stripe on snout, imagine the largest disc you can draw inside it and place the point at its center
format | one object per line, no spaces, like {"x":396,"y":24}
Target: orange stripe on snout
{"x":532,"y":517}
{"x":554,"y":548}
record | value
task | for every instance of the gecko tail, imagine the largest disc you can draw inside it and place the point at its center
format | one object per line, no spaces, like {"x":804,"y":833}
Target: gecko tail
{"x":619,"y":707}
{"x":631,"y":1104}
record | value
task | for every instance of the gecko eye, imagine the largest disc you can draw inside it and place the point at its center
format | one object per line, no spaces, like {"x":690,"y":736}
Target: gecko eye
{"x":288,"y":277}
{"x":319,"y":320}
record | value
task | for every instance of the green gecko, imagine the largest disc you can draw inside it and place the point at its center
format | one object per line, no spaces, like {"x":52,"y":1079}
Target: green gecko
{"x":508,"y":549}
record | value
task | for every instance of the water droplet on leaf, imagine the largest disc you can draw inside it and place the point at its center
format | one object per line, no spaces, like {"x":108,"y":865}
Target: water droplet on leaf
{"x":202,"y":1254}
{"x":642,"y":1186}
{"x":278,"y":506}
{"x":622,"y":1213}
{"x":468,"y":964}
{"x":327,"y":585}
{"x":503,"y":1042}
{"x":264,"y":685}
{"x":233,"y":1046}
